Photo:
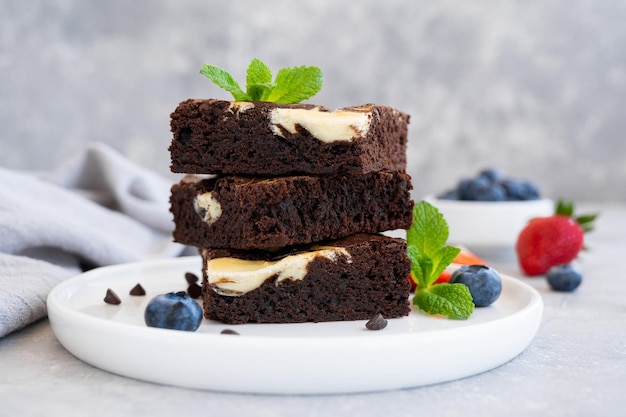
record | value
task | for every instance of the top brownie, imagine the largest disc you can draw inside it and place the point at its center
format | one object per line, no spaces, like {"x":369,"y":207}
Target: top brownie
{"x":259,"y":138}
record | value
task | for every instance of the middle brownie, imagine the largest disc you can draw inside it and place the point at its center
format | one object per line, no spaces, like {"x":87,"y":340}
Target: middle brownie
{"x":261,"y":213}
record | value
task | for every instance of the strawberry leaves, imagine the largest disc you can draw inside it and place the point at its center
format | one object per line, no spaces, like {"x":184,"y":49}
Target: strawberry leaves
{"x":566,"y":208}
{"x":586,"y":221}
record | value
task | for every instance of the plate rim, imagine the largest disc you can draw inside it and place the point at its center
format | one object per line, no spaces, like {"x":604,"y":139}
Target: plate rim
{"x":63,"y":315}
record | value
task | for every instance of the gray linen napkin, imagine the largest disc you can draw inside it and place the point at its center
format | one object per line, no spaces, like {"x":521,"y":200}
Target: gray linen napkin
{"x":93,"y":210}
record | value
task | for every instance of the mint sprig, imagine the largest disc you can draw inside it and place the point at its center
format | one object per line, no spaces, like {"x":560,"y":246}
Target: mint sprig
{"x":292,"y":85}
{"x":452,"y":300}
{"x":429,"y":255}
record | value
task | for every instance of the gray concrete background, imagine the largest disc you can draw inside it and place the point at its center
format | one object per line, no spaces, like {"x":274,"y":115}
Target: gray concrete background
{"x":536,"y":88}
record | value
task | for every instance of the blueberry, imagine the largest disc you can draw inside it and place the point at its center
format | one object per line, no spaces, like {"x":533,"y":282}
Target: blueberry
{"x":484,"y":283}
{"x":174,"y":310}
{"x":564,"y":278}
{"x":491,"y":185}
{"x":514,"y":189}
{"x":531,"y":190}
{"x":449,"y":195}
{"x":463,"y":187}
{"x":491,"y":192}
{"x":468,"y":189}
{"x":520,"y":190}
{"x":491,"y":174}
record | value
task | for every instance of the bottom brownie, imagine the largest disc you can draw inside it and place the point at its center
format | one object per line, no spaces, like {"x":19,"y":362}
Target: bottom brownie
{"x":352,"y":278}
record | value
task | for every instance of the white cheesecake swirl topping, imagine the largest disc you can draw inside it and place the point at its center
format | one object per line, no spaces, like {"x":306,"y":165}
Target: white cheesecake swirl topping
{"x":338,"y":125}
{"x":237,"y":107}
{"x":234,"y":277}
{"x":207,"y":207}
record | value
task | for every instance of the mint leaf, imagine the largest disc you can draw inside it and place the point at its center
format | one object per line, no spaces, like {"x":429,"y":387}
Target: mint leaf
{"x":258,"y":73}
{"x":420,"y":267}
{"x":292,"y":85}
{"x":425,"y":242}
{"x":259,"y":92}
{"x":426,"y":264}
{"x":429,"y":257}
{"x":296,"y":84}
{"x":416,"y":269}
{"x":444,"y":257}
{"x":451,"y":300}
{"x":258,"y":80}
{"x":224,"y":80}
{"x":429,"y":230}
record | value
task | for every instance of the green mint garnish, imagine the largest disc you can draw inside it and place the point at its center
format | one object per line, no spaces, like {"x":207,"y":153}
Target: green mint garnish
{"x":452,"y":300}
{"x":224,"y":80}
{"x":429,"y":255}
{"x":292,"y":85}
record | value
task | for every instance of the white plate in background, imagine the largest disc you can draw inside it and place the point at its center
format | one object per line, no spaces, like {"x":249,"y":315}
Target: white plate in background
{"x":478,"y":224}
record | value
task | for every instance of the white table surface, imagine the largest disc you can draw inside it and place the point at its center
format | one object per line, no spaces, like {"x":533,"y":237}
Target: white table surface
{"x":575,"y":366}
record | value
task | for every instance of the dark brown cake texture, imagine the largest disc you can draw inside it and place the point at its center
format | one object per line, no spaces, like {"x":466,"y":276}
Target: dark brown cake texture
{"x":371,"y":280}
{"x":259,"y":213}
{"x":222,"y":137}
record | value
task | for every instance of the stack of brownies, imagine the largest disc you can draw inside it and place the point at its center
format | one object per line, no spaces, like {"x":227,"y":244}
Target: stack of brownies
{"x":287,"y":203}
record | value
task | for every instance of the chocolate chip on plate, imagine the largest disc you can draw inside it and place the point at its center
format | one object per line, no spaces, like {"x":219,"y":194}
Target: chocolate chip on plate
{"x":378,"y":322}
{"x":191,"y":277}
{"x":111,"y":297}
{"x":229,"y":331}
{"x":194,"y":290}
{"x":137,"y":290}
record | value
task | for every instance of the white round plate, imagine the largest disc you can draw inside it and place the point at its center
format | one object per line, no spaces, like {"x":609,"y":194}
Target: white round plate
{"x":306,"y":358}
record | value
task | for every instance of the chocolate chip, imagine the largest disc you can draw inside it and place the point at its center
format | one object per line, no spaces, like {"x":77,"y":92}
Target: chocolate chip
{"x":138,"y":290}
{"x":191,"y":277}
{"x":112,"y":298}
{"x":229,"y":331}
{"x":194,"y":290}
{"x":378,"y":322}
{"x":184,"y":135}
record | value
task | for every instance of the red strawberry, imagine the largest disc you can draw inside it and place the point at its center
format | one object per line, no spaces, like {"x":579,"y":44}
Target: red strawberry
{"x":549,"y":241}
